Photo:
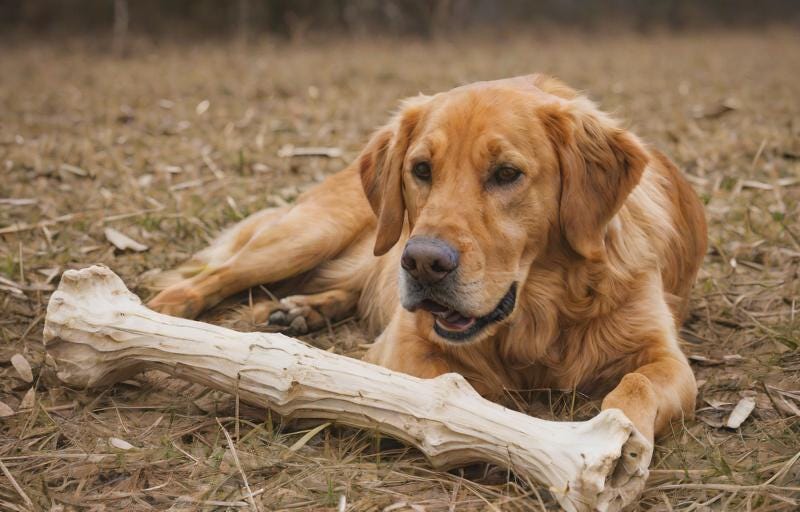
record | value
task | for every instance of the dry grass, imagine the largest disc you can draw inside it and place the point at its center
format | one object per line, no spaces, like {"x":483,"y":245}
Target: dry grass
{"x":175,"y":142}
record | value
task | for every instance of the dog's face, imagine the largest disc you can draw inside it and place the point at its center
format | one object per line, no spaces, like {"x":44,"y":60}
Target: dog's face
{"x":490,"y":177}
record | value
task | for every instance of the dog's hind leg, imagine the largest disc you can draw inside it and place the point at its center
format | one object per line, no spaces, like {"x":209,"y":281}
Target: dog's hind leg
{"x":323,"y":223}
{"x":220,"y":250}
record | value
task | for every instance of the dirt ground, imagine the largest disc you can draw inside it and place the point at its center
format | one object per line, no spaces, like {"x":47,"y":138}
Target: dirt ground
{"x":176,"y":141}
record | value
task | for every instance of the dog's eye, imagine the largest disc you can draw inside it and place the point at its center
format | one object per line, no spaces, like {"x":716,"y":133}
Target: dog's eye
{"x":505,"y":175}
{"x":422,"y":171}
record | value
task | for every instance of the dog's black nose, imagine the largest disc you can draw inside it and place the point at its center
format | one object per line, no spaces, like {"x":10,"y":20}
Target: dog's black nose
{"x":428,"y":260}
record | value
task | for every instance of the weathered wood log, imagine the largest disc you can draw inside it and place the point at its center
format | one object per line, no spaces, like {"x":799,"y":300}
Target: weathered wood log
{"x":97,"y":332}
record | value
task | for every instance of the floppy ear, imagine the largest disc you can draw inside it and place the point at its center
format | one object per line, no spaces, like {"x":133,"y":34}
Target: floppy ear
{"x":600,"y":165}
{"x":381,"y":168}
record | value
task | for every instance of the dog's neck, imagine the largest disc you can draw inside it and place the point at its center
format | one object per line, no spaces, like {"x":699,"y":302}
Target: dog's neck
{"x":562,"y":300}
{"x":567,"y":329}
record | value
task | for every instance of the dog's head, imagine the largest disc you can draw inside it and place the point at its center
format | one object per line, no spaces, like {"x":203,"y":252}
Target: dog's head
{"x":491,"y":177}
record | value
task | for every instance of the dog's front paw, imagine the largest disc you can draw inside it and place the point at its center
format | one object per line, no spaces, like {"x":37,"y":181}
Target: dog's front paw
{"x":295,"y":318}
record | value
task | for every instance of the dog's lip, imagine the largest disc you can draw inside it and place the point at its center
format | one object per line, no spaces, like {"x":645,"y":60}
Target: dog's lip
{"x":446,"y":317}
{"x":454,"y":321}
{"x":456,"y":326}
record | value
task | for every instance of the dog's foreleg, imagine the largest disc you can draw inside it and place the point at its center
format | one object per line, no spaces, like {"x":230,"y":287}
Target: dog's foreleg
{"x":400,"y":349}
{"x":656,"y":393}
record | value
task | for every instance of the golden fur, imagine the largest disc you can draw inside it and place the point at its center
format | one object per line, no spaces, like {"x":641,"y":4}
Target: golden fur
{"x":602,"y":234}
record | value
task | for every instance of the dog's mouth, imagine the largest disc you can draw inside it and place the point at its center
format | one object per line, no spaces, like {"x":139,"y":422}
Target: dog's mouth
{"x":453,"y":325}
{"x":447,"y":318}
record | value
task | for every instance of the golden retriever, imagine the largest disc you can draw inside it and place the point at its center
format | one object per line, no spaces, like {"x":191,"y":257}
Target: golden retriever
{"x":508,"y":231}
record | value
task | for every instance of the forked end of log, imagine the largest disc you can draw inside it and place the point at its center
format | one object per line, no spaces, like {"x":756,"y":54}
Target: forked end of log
{"x":97,"y":332}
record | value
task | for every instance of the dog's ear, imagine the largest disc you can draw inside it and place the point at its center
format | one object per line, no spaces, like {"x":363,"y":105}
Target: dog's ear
{"x":381,"y":168}
{"x":600,"y":164}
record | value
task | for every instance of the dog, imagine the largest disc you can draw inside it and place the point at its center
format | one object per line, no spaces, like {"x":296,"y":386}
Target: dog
{"x":507,"y":230}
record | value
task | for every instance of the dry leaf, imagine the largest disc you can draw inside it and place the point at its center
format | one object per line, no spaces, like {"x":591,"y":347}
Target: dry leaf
{"x":90,"y":248}
{"x":289,"y":151}
{"x":122,"y":241}
{"x":741,"y":412}
{"x":202,"y":107}
{"x":213,"y":402}
{"x":13,"y":201}
{"x":28,"y":400}
{"x":307,"y":437}
{"x":703,"y":360}
{"x":785,"y":406}
{"x":403,"y":505}
{"x":716,"y":404}
{"x":5,"y":410}
{"x":715,"y":111}
{"x":712,"y":361}
{"x":711,"y":421}
{"x":120,"y":443}
{"x":74,"y":169}
{"x":782,"y":401}
{"x":49,"y":273}
{"x":23,"y":367}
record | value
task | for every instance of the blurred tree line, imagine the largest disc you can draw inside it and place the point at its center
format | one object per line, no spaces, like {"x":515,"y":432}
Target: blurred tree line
{"x":298,"y":19}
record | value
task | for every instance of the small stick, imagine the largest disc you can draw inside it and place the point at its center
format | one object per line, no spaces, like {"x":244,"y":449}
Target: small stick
{"x":16,"y":228}
{"x":15,"y":485}
{"x":235,"y":456}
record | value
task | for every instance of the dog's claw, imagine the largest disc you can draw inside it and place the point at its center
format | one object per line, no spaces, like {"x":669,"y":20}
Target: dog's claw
{"x":279,"y":318}
{"x":299,"y":325}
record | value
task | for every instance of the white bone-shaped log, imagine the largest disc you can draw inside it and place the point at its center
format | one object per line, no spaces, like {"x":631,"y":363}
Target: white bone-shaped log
{"x":97,"y":332}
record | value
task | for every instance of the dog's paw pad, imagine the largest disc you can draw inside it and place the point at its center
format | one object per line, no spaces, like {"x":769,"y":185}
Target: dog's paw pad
{"x":279,"y":317}
{"x":298,"y":325}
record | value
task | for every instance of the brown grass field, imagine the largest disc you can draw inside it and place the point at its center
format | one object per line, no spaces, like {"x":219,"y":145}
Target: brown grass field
{"x":176,"y":141}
